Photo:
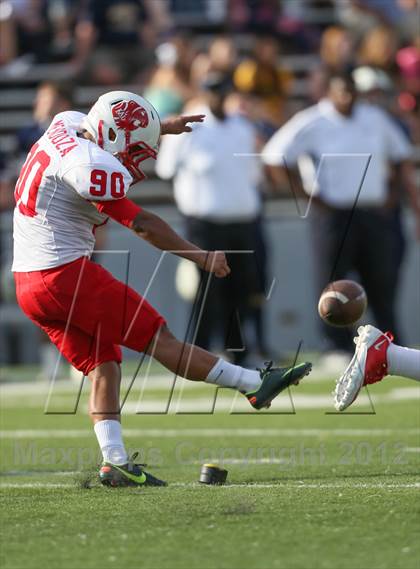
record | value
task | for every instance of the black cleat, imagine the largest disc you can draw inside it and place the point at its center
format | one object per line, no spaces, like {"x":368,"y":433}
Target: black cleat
{"x":274,"y":381}
{"x":129,"y":474}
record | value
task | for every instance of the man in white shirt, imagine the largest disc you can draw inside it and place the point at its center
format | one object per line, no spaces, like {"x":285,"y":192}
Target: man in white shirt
{"x":345,"y":150}
{"x":215,"y":183}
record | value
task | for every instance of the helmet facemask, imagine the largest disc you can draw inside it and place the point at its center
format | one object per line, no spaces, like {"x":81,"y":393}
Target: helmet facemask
{"x":132,"y":156}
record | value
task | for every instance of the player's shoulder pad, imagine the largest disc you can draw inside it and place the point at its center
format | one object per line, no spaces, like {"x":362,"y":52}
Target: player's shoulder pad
{"x":72,"y":118}
{"x":99,"y":177}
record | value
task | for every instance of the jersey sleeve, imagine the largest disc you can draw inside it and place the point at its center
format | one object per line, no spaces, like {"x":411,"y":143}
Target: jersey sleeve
{"x":288,"y":144}
{"x":397,"y":143}
{"x":99,"y":182}
{"x":124,"y":211}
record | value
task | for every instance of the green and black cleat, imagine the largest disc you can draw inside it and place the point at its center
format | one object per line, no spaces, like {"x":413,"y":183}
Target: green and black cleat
{"x":129,"y":474}
{"x":274,"y":380}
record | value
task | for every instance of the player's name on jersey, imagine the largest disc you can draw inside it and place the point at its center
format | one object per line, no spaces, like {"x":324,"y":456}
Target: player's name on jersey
{"x":58,"y":136}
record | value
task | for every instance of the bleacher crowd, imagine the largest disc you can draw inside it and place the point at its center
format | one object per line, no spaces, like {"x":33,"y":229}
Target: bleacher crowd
{"x":277,"y":55}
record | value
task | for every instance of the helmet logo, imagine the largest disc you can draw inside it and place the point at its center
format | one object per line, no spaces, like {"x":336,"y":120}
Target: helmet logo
{"x":129,"y":115}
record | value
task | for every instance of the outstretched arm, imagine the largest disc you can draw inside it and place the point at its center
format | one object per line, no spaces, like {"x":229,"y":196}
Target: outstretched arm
{"x":178,"y":125}
{"x":157,"y":232}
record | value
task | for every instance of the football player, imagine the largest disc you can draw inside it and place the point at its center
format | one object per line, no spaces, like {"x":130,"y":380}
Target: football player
{"x":375,"y":357}
{"x":74,"y":178}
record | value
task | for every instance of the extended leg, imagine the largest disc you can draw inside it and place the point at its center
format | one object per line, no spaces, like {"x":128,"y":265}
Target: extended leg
{"x":194,"y":363}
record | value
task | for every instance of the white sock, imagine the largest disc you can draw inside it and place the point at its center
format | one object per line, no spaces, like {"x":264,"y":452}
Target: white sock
{"x":230,"y":375}
{"x":109,"y":435}
{"x":404,"y":362}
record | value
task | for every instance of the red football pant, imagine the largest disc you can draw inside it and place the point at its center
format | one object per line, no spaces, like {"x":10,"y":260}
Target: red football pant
{"x":86,"y":312}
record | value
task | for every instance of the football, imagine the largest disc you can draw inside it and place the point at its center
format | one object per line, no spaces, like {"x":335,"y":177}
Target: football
{"x":342,"y":303}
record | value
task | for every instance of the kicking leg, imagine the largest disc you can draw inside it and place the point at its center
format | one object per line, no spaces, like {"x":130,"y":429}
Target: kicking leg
{"x":194,"y":363}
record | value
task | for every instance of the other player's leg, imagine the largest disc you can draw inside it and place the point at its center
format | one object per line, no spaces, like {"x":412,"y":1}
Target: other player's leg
{"x":375,"y":357}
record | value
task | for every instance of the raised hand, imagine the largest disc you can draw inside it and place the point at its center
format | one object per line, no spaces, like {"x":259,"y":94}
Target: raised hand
{"x":178,"y":125}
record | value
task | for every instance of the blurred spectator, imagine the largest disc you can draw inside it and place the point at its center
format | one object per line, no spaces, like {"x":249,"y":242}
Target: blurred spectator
{"x":221,"y":57}
{"x":408,"y":62}
{"x":8,"y":37}
{"x":360,"y":16}
{"x":265,"y":81}
{"x":378,"y":48}
{"x":376,"y":87}
{"x":337,"y":55}
{"x":51,"y":98}
{"x":38,"y":28}
{"x":372,"y":83}
{"x":169,"y":87}
{"x":254,"y":15}
{"x":352,"y":145}
{"x":337,"y":49}
{"x":216,"y":192}
{"x":196,"y":13}
{"x":7,"y":201}
{"x":115,"y":40}
{"x":408,"y":25}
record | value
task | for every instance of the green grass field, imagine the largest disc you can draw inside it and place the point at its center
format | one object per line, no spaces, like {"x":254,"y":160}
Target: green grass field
{"x":306,"y":489}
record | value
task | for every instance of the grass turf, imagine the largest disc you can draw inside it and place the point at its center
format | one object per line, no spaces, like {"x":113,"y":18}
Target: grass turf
{"x":305,"y":490}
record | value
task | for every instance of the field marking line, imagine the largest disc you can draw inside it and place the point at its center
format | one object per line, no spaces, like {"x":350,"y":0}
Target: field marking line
{"x":206,"y":432}
{"x":156,"y":382}
{"x":266,"y":460}
{"x":25,"y":485}
{"x":322,"y":486}
{"x":227,"y":402}
{"x":294,"y":485}
{"x":411,"y":449}
{"x":38,"y":473}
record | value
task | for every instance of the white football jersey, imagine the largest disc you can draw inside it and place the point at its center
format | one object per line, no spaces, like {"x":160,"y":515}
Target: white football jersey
{"x":54,"y":219}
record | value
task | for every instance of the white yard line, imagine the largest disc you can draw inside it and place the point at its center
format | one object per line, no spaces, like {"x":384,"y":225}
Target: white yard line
{"x":298,"y":485}
{"x":225,"y":400}
{"x":225,"y":461}
{"x":207,"y":432}
{"x":155,"y":382}
{"x":24,"y":485}
{"x":293,"y":485}
{"x":412,"y":449}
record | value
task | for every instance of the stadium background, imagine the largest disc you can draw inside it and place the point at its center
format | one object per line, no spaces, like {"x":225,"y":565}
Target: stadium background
{"x":307,"y":487}
{"x":162,"y":53}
